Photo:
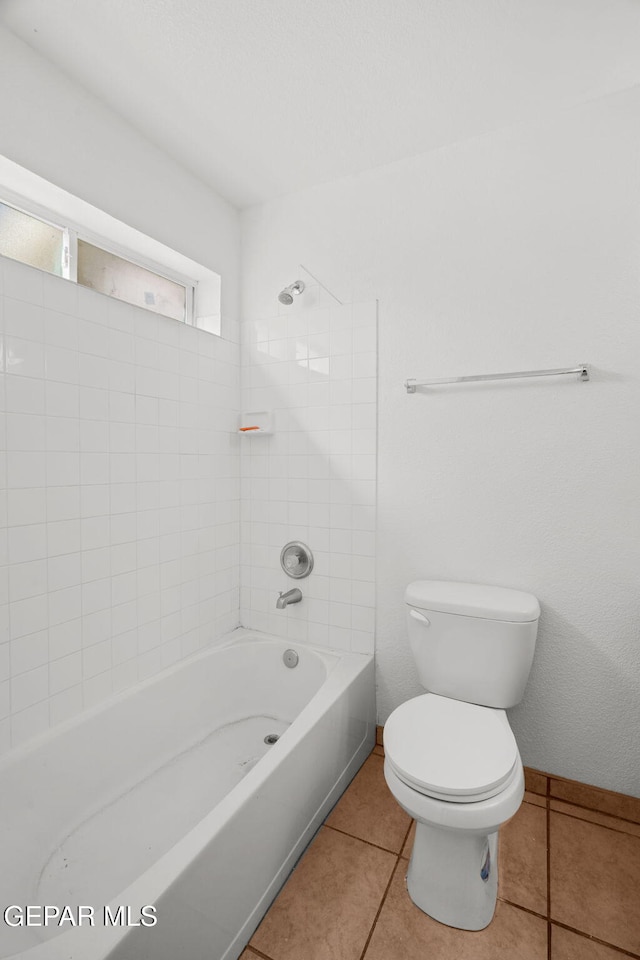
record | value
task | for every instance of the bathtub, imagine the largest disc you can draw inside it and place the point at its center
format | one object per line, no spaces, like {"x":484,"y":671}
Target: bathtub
{"x":167,"y":806}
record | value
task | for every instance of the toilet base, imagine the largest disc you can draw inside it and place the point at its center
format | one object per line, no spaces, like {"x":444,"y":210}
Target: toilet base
{"x":453,"y":876}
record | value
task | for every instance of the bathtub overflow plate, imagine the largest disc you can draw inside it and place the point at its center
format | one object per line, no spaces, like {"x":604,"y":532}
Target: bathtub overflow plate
{"x":296,"y":560}
{"x":290,"y":659}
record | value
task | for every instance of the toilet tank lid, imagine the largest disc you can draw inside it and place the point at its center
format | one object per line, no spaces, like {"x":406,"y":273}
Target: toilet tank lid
{"x":473,"y":600}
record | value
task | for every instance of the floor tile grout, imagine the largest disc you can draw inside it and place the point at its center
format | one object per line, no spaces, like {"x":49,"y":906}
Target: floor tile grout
{"x":369,"y":843}
{"x":585,"y":806}
{"x":593,"y":939}
{"x":605,"y":826}
{"x":406,"y":837}
{"x":551,"y":855}
{"x":379,"y":910}
{"x":518,"y":906}
{"x":258,"y":953}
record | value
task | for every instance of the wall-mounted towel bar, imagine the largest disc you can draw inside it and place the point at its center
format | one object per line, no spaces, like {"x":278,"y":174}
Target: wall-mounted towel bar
{"x":582,"y":372}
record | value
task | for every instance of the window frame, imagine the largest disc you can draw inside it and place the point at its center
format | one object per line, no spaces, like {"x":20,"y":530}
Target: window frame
{"x":44,"y":216}
{"x":72,"y":232}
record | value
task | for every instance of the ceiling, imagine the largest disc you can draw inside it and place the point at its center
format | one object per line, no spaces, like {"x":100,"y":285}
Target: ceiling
{"x":260,"y":98}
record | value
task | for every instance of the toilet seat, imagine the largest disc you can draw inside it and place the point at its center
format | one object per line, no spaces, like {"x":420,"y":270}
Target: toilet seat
{"x":449,"y":749}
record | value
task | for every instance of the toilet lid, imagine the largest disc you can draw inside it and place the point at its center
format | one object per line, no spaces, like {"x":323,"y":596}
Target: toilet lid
{"x":450,"y":749}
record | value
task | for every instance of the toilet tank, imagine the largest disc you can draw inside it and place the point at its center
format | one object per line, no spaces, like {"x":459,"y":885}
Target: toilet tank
{"x":472,"y":642}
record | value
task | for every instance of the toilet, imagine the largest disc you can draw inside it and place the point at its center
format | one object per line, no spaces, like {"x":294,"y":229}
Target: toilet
{"x":451,"y":759}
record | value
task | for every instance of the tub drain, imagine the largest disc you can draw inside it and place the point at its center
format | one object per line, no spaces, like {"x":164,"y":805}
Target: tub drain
{"x":271,"y":738}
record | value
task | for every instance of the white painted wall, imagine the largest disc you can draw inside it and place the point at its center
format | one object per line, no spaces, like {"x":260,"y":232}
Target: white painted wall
{"x":512,"y":251}
{"x":52,"y":126}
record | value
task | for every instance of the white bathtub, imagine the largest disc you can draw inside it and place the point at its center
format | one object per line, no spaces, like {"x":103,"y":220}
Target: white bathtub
{"x":167,"y":797}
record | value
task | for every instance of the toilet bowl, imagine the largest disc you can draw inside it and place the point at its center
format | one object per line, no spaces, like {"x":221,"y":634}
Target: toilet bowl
{"x":460,"y":786}
{"x":451,"y":759}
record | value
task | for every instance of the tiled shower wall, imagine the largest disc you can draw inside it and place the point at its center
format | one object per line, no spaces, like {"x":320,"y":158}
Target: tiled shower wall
{"x":119,"y":496}
{"x":313,"y":367}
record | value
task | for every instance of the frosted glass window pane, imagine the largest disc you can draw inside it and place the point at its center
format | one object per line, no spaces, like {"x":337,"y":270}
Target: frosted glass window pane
{"x":30,"y":240}
{"x":106,"y":273}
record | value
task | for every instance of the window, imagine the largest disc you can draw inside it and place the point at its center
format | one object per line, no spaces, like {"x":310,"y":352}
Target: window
{"x":124,"y":280}
{"x":33,"y":241}
{"x":83,"y":244}
{"x":45,"y":245}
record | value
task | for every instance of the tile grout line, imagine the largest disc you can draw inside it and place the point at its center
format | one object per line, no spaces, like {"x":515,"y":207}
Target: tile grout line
{"x":379,"y":910}
{"x":386,"y":892}
{"x":605,"y":826}
{"x":518,"y":906}
{"x":369,"y":843}
{"x":593,"y":939}
{"x":258,"y":953}
{"x":584,"y":806}
{"x":550,"y":795}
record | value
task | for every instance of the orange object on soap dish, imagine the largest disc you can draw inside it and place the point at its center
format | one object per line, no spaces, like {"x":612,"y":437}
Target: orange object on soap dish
{"x":244,"y":429}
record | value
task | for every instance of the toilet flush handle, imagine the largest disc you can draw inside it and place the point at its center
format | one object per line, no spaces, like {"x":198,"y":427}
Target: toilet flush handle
{"x":420,"y":617}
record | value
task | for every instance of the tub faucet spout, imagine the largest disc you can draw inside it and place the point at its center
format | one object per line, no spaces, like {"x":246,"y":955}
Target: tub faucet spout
{"x":291,"y":596}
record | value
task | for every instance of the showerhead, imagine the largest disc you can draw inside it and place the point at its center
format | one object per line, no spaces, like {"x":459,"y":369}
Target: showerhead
{"x":287,"y":295}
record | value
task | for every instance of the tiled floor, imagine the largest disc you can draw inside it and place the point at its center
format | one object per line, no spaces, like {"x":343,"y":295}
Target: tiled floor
{"x":569,"y":884}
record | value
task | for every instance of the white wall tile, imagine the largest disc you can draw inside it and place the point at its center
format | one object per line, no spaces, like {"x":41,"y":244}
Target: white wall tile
{"x":27,"y":543}
{"x":26,"y":469}
{"x":29,"y":688}
{"x":22,"y":282}
{"x":5,"y":661}
{"x":63,"y":503}
{"x":314,"y":479}
{"x":63,"y":433}
{"x":105,"y":484}
{"x":24,"y":320}
{"x":29,"y":652}
{"x":24,"y":395}
{"x":96,"y":659}
{"x":63,"y":537}
{"x":64,"y":705}
{"x":29,"y":723}
{"x":64,"y":571}
{"x":65,"y":639}
{"x":62,"y":400}
{"x":60,"y":295}
{"x":27,"y":579}
{"x":96,"y":689}
{"x":62,"y":365}
{"x":26,"y":506}
{"x":61,"y":330}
